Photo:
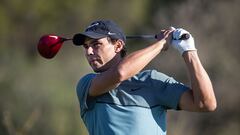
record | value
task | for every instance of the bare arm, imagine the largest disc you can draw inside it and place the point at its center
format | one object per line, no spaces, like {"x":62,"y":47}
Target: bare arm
{"x":201,"y":97}
{"x":127,"y":67}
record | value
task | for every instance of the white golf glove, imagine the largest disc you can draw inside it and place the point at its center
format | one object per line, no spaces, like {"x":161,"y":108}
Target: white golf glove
{"x":182,"y":45}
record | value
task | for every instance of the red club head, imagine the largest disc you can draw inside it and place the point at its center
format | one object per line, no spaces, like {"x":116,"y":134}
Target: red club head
{"x":49,"y":45}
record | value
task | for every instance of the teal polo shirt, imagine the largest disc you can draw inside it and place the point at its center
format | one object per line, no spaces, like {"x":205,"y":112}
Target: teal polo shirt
{"x":138,"y":106}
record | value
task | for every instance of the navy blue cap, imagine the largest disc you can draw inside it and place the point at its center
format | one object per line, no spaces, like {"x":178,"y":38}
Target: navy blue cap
{"x":100,"y":29}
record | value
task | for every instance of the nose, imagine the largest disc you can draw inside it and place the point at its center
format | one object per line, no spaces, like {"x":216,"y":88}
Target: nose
{"x":89,"y":51}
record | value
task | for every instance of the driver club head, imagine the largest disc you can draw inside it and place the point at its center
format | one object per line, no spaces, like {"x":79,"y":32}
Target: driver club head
{"x":49,"y":45}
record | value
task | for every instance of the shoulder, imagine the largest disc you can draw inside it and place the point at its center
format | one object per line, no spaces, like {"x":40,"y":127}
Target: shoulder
{"x":85,"y":80}
{"x":149,"y":76}
{"x":152,"y":74}
{"x":87,"y":77}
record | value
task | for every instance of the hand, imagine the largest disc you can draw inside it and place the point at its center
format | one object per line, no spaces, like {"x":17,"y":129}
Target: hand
{"x":182,"y":45}
{"x":165,"y":36}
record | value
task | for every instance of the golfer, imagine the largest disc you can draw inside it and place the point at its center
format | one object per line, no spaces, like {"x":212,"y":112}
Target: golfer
{"x":120,"y":98}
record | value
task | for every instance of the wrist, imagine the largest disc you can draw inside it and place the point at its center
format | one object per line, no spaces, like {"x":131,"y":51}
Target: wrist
{"x":190,"y":55}
{"x":163,"y":44}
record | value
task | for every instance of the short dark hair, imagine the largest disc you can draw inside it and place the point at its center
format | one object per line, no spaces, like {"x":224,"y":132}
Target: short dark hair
{"x":123,"y":52}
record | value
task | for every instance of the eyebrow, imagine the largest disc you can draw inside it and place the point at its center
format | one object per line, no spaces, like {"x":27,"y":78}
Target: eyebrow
{"x":92,"y":41}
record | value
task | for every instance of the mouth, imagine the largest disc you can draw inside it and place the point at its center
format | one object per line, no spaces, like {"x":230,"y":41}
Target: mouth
{"x":93,"y":61}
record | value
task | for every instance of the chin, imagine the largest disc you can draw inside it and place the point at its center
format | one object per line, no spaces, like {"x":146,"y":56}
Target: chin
{"x":99,"y":69}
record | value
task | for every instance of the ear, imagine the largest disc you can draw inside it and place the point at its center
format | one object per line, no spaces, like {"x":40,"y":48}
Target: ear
{"x":118,"y":45}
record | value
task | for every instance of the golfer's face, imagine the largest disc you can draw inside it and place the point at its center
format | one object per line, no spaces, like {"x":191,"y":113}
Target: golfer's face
{"x":98,"y":53}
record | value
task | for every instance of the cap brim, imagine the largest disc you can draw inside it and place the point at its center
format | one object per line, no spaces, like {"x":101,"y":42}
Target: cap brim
{"x":78,"y":39}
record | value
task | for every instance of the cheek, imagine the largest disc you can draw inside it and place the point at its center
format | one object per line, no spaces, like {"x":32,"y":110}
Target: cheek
{"x":108,"y":53}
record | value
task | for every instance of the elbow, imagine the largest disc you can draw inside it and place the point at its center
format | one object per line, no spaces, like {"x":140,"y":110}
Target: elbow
{"x":122,"y":74}
{"x":210,"y":106}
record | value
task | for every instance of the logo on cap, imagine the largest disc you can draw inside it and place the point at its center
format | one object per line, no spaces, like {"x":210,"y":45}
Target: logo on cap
{"x":110,"y":33}
{"x":92,"y":25}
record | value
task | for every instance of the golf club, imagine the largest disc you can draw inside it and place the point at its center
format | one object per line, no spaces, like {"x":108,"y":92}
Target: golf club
{"x":49,"y":45}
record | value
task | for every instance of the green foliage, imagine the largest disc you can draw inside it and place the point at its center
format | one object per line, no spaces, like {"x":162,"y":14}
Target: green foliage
{"x":37,"y":96}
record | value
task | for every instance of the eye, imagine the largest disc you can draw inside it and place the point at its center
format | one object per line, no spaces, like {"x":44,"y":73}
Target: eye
{"x":97,"y":44}
{"x":85,"y":46}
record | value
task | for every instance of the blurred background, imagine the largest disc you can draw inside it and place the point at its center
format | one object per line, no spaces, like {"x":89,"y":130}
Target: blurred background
{"x":38,"y":96}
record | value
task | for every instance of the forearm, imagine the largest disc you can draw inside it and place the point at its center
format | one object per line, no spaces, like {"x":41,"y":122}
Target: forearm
{"x":136,"y":61}
{"x":203,"y":94}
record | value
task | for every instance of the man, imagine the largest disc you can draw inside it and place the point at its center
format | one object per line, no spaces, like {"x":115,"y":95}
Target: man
{"x":121,"y":99}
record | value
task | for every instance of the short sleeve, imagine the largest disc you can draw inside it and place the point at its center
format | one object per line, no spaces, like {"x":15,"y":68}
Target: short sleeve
{"x":82,"y":91}
{"x":168,"y":89}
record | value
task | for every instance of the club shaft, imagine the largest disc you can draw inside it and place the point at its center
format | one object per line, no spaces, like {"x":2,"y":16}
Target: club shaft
{"x":66,"y":39}
{"x":141,"y":36}
{"x":183,"y":37}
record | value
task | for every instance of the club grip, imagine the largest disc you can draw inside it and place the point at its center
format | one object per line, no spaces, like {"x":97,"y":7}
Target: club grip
{"x":184,"y":37}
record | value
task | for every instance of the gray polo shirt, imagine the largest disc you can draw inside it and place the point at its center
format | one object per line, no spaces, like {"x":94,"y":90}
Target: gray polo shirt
{"x":137,"y":106}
